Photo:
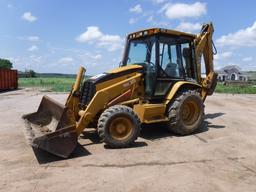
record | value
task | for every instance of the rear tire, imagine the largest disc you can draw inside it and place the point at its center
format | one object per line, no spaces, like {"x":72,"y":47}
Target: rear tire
{"x":118,"y":126}
{"x":186,"y":113}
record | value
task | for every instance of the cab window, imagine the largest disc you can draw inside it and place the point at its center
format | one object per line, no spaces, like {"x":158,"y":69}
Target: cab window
{"x":137,"y":53}
{"x":169,"y":60}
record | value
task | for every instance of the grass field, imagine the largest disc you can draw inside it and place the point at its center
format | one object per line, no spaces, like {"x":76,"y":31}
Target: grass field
{"x":248,"y":89}
{"x":63,"y":84}
{"x":57,"y":84}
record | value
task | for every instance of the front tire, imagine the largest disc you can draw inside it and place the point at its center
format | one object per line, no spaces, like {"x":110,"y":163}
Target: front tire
{"x":118,"y":126}
{"x":186,"y":113}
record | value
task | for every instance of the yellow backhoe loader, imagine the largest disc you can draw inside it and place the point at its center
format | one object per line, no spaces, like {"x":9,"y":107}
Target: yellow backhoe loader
{"x":158,"y":80}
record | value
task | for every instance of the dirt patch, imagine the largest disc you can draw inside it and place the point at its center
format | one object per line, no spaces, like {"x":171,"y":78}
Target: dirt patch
{"x":220,"y":156}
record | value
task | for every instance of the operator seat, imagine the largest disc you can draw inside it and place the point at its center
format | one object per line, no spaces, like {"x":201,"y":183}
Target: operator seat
{"x":171,"y":69}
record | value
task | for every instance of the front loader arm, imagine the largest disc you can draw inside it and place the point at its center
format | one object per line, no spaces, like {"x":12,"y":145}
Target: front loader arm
{"x":72,"y":101}
{"x":204,"y":47}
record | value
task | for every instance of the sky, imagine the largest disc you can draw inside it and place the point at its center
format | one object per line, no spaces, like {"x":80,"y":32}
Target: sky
{"x":59,"y":36}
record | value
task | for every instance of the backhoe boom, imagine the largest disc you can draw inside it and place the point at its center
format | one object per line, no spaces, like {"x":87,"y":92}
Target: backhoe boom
{"x":204,"y":47}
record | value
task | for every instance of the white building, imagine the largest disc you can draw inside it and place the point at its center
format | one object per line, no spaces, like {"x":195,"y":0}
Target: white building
{"x":231,"y":73}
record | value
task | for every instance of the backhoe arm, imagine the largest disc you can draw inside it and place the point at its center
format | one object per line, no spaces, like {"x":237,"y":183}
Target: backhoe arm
{"x":204,"y":47}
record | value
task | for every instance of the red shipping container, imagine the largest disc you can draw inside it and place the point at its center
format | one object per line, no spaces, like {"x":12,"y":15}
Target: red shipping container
{"x":8,"y":79}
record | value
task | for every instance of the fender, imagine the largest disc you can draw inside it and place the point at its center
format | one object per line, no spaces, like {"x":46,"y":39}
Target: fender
{"x":177,"y":86}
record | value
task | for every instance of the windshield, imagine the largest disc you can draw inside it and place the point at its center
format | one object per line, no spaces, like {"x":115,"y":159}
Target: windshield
{"x":137,"y":53}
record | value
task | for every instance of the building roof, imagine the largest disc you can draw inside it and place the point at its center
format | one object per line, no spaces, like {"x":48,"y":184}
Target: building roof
{"x":230,"y":69}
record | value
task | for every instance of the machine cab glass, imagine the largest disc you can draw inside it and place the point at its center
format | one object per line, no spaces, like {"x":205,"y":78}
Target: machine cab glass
{"x":165,"y":60}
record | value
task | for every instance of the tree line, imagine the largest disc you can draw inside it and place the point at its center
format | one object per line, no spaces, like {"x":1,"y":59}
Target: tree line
{"x":7,"y":64}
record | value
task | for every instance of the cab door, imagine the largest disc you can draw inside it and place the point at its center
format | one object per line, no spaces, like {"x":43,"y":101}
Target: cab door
{"x":169,"y":66}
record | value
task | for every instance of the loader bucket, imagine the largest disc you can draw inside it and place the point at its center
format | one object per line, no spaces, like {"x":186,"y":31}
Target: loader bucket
{"x":52,"y":128}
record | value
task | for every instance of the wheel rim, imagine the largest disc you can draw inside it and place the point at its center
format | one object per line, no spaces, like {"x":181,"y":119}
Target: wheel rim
{"x":190,"y":112}
{"x":120,"y":128}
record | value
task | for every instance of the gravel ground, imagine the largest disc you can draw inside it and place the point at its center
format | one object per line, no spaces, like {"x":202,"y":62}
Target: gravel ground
{"x":221,"y":156}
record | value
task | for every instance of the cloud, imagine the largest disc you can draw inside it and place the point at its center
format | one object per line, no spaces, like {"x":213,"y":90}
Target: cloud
{"x":158,"y":23}
{"x":247,"y":59}
{"x":182,"y":10}
{"x":227,"y":54}
{"x":89,"y":59}
{"x":35,"y":59}
{"x":242,"y":38}
{"x":132,"y":21}
{"x":136,"y":9}
{"x":24,"y":62}
{"x":111,"y":42}
{"x":97,"y":56}
{"x":189,"y":27}
{"x":66,"y":60}
{"x":150,"y":19}
{"x":33,"y":38}
{"x":158,"y":1}
{"x":29,"y":38}
{"x":29,"y":17}
{"x":223,"y":55}
{"x":93,"y":34}
{"x":33,"y":48}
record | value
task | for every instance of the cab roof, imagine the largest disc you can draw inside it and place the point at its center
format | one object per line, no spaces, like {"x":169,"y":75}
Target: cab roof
{"x":155,"y":31}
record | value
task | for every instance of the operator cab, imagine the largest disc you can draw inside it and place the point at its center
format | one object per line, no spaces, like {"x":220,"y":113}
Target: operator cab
{"x":167,"y":56}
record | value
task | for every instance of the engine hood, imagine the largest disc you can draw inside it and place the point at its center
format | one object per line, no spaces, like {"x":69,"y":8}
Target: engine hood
{"x":114,"y":73}
{"x":97,"y":82}
{"x":126,"y":68}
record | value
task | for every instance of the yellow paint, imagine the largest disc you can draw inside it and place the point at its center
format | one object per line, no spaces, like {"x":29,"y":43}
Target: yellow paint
{"x":204,"y":48}
{"x":125,"y":68}
{"x":72,"y":101}
{"x":150,"y":113}
{"x":113,"y":81}
{"x":102,"y":98}
{"x":78,"y":79}
{"x":176,"y":88}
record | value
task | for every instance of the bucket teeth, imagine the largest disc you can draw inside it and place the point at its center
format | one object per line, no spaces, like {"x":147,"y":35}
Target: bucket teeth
{"x":29,"y":134}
